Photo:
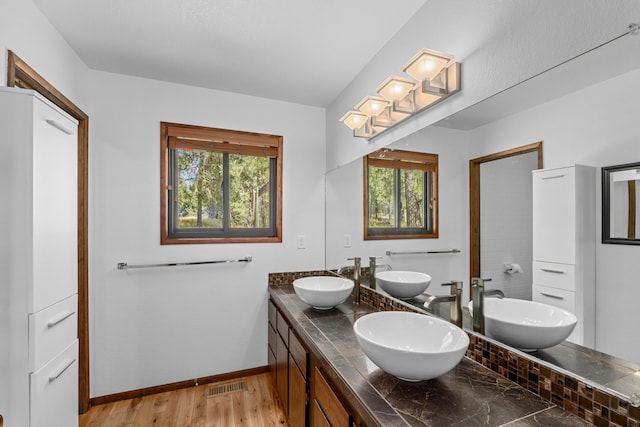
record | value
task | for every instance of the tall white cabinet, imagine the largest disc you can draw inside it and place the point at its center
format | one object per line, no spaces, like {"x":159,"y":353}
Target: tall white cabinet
{"x":564,"y":244}
{"x":38,"y":262}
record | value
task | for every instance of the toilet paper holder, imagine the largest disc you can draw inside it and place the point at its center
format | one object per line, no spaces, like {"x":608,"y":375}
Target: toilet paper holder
{"x":512,"y":268}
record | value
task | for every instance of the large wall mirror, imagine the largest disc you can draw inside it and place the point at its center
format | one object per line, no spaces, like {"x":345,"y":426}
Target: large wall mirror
{"x":621,"y":204}
{"x":584,"y":112}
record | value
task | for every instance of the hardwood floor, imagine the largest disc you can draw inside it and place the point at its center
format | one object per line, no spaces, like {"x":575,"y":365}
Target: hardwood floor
{"x":256,"y":406}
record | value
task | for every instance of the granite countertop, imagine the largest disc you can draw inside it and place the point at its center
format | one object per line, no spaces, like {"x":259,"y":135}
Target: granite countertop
{"x":468,"y":395}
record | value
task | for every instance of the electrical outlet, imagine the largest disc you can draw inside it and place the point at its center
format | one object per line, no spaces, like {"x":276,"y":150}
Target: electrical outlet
{"x":347,"y":240}
{"x":301,"y":241}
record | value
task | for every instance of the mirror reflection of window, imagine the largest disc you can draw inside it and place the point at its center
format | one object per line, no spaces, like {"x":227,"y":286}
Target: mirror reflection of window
{"x":624,"y":204}
{"x":400,"y":194}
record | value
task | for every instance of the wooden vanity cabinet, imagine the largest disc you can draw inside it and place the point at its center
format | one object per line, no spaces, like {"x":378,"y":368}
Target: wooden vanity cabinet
{"x":289,"y":365}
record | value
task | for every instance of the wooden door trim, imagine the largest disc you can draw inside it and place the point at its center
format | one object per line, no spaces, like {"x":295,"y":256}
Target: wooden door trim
{"x":474,"y":199}
{"x":20,"y":74}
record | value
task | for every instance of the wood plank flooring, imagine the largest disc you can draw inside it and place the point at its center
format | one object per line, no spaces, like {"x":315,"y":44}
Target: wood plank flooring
{"x":257,"y":406}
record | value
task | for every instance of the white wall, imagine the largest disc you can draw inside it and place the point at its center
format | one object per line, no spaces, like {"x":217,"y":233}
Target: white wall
{"x":157,"y":326}
{"x":506,"y":223}
{"x":150,"y":327}
{"x":596,"y":126}
{"x":496,"y":52}
{"x":25,"y":31}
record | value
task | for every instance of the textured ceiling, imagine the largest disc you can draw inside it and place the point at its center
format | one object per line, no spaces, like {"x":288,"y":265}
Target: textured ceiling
{"x":302,"y":51}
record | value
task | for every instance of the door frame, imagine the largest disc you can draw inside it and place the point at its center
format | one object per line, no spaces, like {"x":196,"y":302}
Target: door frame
{"x":20,"y":74}
{"x":474,"y":200}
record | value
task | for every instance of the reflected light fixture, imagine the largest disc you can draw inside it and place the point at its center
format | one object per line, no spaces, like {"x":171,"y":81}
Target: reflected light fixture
{"x":433,"y":77}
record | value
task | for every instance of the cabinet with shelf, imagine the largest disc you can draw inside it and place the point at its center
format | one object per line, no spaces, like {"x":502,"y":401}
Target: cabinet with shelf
{"x":38,"y":269}
{"x":564,"y":244}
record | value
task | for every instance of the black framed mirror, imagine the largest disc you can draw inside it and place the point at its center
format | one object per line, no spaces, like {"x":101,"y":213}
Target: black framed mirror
{"x":621,"y":204}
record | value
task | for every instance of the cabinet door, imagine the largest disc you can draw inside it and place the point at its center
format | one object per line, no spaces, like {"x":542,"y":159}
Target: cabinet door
{"x":329,"y":404}
{"x":554,"y":227}
{"x":282,"y":373}
{"x":297,"y":396}
{"x":318,"y":418}
{"x":55,"y":206}
{"x":54,"y":391}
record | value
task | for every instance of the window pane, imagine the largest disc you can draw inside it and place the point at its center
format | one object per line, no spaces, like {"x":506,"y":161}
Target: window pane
{"x":382,"y":198}
{"x":249,"y":189}
{"x":411,"y":195}
{"x":199,"y":196}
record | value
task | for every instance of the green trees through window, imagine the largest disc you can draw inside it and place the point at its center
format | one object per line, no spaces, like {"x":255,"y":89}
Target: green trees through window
{"x":220,"y":185}
{"x":200,"y":195}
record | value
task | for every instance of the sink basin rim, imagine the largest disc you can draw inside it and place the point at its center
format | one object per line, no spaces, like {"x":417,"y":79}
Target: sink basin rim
{"x":524,"y":334}
{"x":403,"y":284}
{"x":323,"y":292}
{"x":421,"y":360}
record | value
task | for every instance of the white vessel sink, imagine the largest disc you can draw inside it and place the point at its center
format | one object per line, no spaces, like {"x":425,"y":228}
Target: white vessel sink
{"x":526,"y":325}
{"x":403,"y":284}
{"x":411,"y":346}
{"x":323,"y":292}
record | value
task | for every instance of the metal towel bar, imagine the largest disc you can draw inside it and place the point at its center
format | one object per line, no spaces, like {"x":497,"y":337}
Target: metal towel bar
{"x":125,"y":266}
{"x":451,"y":251}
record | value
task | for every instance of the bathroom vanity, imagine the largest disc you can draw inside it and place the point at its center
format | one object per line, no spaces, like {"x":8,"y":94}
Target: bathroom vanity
{"x":344,"y":388}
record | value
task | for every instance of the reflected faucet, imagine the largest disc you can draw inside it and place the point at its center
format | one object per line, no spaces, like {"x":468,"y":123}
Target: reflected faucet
{"x":372,"y":270}
{"x":356,"y":277}
{"x":455,"y":298}
{"x":478,"y":294}
{"x":494,"y":293}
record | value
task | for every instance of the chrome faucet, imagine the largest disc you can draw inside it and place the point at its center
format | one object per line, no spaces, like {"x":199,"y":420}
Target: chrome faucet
{"x":455,"y":298}
{"x":356,"y":277}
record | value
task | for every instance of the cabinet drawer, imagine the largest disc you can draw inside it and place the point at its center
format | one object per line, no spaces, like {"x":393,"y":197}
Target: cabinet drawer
{"x":283,"y":328}
{"x":54,"y":391}
{"x":328,"y":402}
{"x":556,"y":297}
{"x":272,"y":314}
{"x":562,"y":276}
{"x":51,"y":331}
{"x":299,"y":353}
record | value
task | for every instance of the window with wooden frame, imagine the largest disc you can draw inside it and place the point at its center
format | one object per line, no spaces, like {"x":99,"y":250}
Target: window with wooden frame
{"x":400,"y":195}
{"x":219,"y":186}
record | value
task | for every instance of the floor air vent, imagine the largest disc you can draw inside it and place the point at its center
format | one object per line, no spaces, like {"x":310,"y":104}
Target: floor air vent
{"x":217,"y":390}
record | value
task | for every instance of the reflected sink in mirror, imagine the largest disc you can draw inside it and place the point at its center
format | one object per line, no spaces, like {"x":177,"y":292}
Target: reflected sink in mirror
{"x":403,"y":284}
{"x":411,"y":346}
{"x":526,"y":325}
{"x":323,"y":292}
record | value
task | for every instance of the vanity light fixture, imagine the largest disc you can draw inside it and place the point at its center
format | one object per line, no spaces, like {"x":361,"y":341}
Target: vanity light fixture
{"x":433,"y":77}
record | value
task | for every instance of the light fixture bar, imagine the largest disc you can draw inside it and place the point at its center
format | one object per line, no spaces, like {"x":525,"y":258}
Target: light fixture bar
{"x":434,"y":76}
